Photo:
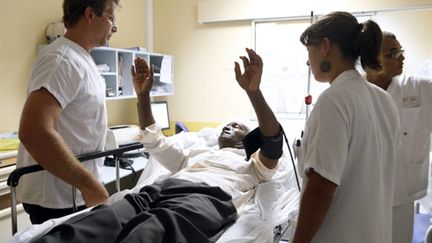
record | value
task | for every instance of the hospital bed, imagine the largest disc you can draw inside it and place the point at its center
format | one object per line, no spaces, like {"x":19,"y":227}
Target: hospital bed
{"x":264,"y":219}
{"x":422,"y":222}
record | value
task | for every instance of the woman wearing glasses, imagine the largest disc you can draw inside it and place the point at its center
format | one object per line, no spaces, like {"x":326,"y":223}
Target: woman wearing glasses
{"x":413,"y":96}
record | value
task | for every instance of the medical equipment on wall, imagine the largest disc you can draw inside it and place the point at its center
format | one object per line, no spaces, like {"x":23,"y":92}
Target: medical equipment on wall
{"x":55,"y":30}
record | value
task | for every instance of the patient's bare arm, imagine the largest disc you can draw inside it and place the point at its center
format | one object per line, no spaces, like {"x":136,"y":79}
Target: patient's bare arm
{"x":314,"y":205}
{"x":142,"y":76}
{"x":250,"y":81}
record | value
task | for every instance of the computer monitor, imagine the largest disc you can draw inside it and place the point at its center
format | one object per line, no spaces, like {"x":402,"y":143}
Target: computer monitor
{"x":160,"y":113}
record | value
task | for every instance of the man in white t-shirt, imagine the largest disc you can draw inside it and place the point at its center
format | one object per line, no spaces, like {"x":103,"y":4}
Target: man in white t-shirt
{"x":413,"y":97}
{"x":65,"y":115}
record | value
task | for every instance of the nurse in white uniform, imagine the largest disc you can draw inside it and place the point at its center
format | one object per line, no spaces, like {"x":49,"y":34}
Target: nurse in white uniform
{"x":348,"y":150}
{"x":413,"y":96}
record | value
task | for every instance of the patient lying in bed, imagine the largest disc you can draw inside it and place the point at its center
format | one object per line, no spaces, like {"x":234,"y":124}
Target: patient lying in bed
{"x":273,"y":203}
{"x":198,"y":201}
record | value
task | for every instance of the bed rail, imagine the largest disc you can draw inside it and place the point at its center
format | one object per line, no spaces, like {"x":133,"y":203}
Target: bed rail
{"x":15,"y":175}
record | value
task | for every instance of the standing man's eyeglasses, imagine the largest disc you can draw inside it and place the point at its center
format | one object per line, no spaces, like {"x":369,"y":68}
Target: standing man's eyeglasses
{"x":111,"y":18}
{"x":395,"y":54}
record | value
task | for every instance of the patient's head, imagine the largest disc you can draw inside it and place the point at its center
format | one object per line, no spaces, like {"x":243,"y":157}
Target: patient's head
{"x":232,"y":135}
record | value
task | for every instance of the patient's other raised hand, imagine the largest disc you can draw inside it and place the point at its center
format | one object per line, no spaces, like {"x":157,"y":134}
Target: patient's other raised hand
{"x":251,"y":78}
{"x":142,"y":76}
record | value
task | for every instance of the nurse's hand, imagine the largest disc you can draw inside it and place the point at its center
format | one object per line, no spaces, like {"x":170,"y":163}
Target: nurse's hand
{"x":142,"y":76}
{"x":251,"y":78}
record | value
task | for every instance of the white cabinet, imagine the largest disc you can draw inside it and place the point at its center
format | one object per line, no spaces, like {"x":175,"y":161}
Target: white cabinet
{"x":114,"y":65}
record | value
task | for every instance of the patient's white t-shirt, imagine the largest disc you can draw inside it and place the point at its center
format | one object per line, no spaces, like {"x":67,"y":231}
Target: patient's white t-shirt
{"x":225,"y":168}
{"x":351,"y":138}
{"x":69,"y":73}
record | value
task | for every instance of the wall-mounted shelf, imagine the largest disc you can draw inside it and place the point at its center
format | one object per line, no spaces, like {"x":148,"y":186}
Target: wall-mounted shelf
{"x":114,"y":65}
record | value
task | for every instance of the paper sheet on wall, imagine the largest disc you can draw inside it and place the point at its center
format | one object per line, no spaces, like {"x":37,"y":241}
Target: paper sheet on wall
{"x":285,"y":74}
{"x":285,"y":81}
{"x":426,"y":69}
{"x":166,"y":72}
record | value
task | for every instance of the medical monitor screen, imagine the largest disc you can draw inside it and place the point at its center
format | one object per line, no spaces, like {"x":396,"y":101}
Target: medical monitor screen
{"x":160,"y":113}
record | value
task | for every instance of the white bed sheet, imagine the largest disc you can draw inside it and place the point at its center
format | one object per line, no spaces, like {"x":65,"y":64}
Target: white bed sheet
{"x":271,"y":206}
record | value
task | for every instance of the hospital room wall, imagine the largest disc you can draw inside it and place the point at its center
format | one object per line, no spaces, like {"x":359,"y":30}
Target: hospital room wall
{"x":23,"y":25}
{"x":205,"y":87}
{"x":413,"y":32}
{"x":206,"y":91}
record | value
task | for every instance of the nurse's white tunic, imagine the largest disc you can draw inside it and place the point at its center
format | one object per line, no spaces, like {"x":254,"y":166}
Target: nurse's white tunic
{"x":351,"y":138}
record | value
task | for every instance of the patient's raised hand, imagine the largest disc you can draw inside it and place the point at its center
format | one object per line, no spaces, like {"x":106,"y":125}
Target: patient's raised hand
{"x":142,"y":76}
{"x":251,"y":78}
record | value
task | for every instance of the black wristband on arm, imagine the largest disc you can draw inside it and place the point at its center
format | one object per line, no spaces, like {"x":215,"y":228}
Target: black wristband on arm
{"x":271,"y":147}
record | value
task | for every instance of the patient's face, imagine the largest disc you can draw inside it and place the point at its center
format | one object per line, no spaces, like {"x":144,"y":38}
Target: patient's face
{"x":232,"y":135}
